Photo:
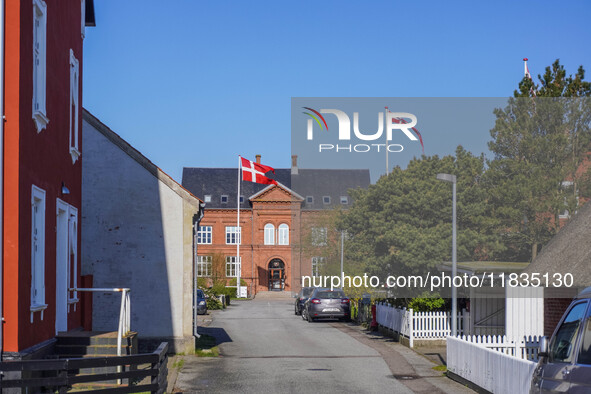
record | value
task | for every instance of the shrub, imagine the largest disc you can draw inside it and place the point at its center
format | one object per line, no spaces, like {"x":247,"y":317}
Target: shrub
{"x":427,"y":304}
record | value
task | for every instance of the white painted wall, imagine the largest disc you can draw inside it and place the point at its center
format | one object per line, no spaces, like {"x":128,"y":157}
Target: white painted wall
{"x":132,"y":236}
{"x":524,"y":311}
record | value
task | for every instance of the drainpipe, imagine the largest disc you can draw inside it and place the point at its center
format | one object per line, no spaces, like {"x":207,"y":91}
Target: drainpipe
{"x":196,"y":220}
{"x":1,"y":175}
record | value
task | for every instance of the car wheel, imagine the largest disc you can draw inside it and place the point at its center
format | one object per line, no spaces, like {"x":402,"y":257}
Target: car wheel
{"x":304,"y":314}
{"x":296,"y":311}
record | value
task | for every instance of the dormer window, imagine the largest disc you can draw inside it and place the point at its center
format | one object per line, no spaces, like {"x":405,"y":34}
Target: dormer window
{"x":224,"y":199}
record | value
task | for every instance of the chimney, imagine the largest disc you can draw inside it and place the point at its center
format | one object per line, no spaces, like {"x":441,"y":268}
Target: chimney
{"x":294,"y":164}
{"x":258,"y":157}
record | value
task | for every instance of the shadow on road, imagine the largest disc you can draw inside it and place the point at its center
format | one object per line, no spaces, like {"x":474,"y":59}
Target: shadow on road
{"x":220,"y":335}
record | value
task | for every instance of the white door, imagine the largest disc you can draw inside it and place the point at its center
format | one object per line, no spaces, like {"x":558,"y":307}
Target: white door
{"x":61,"y":260}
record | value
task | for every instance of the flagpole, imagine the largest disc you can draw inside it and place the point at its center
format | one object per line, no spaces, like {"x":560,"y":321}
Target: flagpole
{"x":387,"y":166}
{"x":239,"y":236}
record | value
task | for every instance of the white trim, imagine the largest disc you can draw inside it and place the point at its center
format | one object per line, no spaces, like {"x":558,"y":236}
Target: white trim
{"x":74,"y":102}
{"x":204,"y":232}
{"x":83,"y":19}
{"x":235,"y":234}
{"x":38,"y":209}
{"x":40,"y":64}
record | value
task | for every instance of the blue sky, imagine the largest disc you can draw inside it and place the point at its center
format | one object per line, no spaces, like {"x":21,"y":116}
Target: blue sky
{"x":195,"y":83}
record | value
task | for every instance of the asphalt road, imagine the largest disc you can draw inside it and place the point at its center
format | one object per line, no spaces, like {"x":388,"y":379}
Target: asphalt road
{"x":265,"y":348}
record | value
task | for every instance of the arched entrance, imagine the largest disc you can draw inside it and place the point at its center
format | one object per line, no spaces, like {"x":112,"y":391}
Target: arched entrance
{"x":276,"y":271}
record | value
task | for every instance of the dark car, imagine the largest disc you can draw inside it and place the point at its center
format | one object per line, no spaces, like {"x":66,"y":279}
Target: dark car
{"x":301,"y":298}
{"x":201,"y":302}
{"x":326,"y":304}
{"x":565,"y":364}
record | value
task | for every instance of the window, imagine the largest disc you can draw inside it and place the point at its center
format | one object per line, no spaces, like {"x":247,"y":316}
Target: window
{"x":561,"y":348}
{"x":203,"y":265}
{"x":39,"y":64}
{"x":204,"y":235}
{"x":326,"y":199}
{"x":269,"y":234}
{"x":224,"y":199}
{"x":232,"y":266}
{"x":585,"y":351}
{"x":74,"y":107}
{"x":241,"y":199}
{"x":319,"y":236}
{"x":207,"y":198}
{"x":233,"y":235}
{"x":309,"y":200}
{"x":317,"y":262}
{"x":37,"y":249}
{"x":283,"y":234}
{"x":344,"y":200}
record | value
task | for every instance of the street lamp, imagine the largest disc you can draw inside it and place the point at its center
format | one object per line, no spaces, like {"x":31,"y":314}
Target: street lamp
{"x":454,"y":258}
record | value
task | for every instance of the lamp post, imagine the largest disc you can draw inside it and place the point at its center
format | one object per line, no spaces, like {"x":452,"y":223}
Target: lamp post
{"x":454,"y":258}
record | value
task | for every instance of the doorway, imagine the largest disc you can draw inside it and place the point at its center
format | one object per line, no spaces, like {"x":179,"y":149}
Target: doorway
{"x":276,"y":271}
{"x":61,"y":269}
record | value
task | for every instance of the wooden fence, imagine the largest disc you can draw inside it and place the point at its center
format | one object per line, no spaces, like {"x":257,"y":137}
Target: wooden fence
{"x":60,"y":375}
{"x":489,"y":368}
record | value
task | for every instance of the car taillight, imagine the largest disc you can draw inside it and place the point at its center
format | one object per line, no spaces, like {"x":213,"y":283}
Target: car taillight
{"x":315,"y":301}
{"x":344,"y":300}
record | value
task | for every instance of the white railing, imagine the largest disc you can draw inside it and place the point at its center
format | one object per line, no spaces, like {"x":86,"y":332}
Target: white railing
{"x":124,"y":314}
{"x":419,"y":325}
{"x":525,"y":348}
{"x":488,"y":366}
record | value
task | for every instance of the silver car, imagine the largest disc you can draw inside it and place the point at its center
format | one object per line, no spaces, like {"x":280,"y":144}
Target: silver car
{"x":565,"y":363}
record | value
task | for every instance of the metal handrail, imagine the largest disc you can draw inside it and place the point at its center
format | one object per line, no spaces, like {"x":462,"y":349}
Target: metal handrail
{"x":124,"y":313}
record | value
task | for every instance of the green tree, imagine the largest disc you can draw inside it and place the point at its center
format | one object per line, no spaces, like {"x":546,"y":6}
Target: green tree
{"x":539,"y":141}
{"x":402,"y":224}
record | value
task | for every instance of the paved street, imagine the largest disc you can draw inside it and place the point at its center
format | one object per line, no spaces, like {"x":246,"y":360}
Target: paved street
{"x":265,"y":348}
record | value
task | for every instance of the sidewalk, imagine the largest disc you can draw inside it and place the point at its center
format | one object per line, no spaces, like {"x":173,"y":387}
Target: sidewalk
{"x":417,"y":370}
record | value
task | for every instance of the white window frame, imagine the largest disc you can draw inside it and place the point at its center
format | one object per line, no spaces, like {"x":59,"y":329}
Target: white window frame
{"x":326,"y":200}
{"x":317,"y":262}
{"x":204,"y":234}
{"x":204,"y":266}
{"x":283,"y":234}
{"x":319,"y":236}
{"x":72,"y":255}
{"x":207,"y":198}
{"x":309,"y":199}
{"x":269,"y":231}
{"x":233,"y":266}
{"x":344,"y":200}
{"x":40,"y":64}
{"x":38,"y":209}
{"x":233,"y":235}
{"x":74,"y":102}
{"x":224,"y":197}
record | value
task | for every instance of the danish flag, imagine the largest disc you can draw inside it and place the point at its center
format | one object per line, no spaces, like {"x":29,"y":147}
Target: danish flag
{"x":255,"y":172}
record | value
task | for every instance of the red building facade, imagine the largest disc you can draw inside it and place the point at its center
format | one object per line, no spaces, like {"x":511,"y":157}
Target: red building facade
{"x":42,"y":171}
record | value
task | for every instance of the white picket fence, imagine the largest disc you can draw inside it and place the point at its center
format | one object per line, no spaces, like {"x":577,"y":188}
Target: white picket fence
{"x":419,"y":325}
{"x":494,"y":364}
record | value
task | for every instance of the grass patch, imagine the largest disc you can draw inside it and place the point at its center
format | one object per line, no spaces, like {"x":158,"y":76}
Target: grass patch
{"x":179,"y":363}
{"x":440,"y":368}
{"x":205,"y":346}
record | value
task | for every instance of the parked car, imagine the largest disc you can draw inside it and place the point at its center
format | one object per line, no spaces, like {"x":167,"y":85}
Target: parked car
{"x":201,"y":302}
{"x":565,"y":360}
{"x":326,"y":304}
{"x":301,"y":298}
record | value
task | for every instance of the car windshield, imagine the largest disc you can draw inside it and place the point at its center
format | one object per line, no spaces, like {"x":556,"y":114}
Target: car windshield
{"x":307,"y":292}
{"x":330,"y":294}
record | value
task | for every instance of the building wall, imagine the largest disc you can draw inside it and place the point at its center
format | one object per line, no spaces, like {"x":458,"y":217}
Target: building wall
{"x":134,"y":235}
{"x":42,"y":159}
{"x":275,"y":207}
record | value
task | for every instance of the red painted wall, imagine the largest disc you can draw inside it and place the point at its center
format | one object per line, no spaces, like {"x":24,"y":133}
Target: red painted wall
{"x":42,"y":159}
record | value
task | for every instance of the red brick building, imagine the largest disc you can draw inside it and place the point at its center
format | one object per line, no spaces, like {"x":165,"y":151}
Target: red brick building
{"x":273,"y":220}
{"x":42,"y":175}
